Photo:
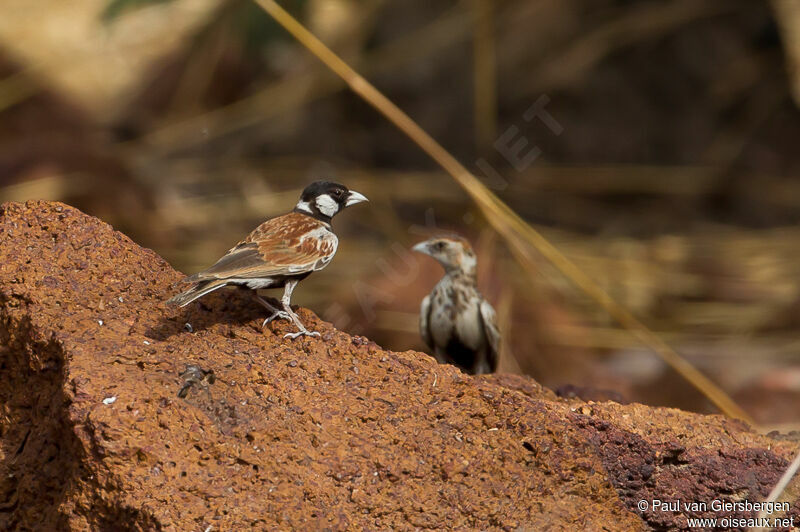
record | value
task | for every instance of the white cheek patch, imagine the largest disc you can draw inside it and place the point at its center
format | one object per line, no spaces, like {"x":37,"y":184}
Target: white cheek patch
{"x":303,"y":206}
{"x":326,"y":205}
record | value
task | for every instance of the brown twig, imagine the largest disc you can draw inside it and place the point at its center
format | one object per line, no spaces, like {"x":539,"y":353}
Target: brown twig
{"x":780,"y":487}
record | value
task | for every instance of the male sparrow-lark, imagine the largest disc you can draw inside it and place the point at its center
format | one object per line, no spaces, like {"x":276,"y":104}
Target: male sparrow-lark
{"x":280,"y":252}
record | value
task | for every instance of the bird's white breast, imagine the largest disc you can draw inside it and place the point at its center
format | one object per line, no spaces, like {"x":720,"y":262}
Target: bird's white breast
{"x":455,"y":311}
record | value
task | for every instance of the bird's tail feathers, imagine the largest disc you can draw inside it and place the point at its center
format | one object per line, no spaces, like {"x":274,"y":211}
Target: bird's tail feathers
{"x":197,"y":291}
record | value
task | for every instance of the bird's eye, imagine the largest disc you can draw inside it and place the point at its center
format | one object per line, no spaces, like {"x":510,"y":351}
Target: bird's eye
{"x":338,"y":192}
{"x":440,"y":246}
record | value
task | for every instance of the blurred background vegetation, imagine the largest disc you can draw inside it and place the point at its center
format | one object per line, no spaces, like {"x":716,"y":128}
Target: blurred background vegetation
{"x":674,"y":181}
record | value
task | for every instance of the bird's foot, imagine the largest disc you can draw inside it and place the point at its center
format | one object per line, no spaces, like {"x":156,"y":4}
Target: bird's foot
{"x":301,"y":329}
{"x":301,"y":332}
{"x":279,"y":314}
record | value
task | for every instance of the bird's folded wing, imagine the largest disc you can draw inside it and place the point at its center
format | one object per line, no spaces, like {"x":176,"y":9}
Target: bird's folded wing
{"x":424,"y":321}
{"x":489,"y":319}
{"x":274,"y":250}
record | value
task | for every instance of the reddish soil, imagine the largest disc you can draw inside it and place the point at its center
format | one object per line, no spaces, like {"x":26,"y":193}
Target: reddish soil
{"x":316,"y":433}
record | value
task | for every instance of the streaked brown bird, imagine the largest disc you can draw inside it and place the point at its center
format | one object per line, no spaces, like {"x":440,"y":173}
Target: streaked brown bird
{"x":280,"y":252}
{"x":454,"y":320}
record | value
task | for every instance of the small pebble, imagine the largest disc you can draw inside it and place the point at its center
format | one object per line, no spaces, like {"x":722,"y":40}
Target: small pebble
{"x":100,"y":322}
{"x":188,"y":327}
{"x":109,"y":400}
{"x":293,"y":364}
{"x":146,"y":342}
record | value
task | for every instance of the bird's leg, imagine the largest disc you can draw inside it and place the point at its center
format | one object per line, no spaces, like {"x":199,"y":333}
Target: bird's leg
{"x":286,"y":300}
{"x":274,"y":313}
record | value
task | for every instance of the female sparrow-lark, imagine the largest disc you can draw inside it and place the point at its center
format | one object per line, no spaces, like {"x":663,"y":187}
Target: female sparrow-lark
{"x":455,"y":321}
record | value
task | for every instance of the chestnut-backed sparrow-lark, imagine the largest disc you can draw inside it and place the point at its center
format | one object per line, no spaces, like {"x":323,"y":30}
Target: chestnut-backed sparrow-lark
{"x":455,"y":321}
{"x":280,"y":252}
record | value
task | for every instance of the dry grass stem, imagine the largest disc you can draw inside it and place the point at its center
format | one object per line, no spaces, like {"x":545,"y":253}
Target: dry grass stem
{"x":781,"y":486}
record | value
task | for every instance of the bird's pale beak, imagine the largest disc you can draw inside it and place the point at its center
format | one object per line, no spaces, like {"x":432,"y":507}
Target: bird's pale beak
{"x":354,"y":197}
{"x":422,"y":247}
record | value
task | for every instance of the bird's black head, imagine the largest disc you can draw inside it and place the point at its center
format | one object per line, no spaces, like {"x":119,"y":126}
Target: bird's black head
{"x":323,"y":199}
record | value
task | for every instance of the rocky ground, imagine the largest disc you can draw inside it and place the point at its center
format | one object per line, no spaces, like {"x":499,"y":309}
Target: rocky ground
{"x":102,"y":427}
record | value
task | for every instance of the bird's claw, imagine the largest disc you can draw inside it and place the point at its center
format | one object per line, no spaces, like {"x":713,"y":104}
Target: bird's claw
{"x":280,"y":314}
{"x":302,"y":332}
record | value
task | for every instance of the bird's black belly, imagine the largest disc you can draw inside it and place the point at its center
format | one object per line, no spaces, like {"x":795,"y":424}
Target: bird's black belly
{"x":459,"y":354}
